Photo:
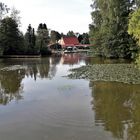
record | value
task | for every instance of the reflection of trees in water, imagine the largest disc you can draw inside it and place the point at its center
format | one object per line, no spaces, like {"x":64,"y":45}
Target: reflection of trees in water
{"x":134,"y":127}
{"x":11,"y":80}
{"x":117,"y":108}
{"x":45,"y":68}
{"x":101,"y":60}
{"x":10,"y":85}
{"x":40,"y":70}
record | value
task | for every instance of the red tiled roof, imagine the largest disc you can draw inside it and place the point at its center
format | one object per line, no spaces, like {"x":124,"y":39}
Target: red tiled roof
{"x":71,"y":40}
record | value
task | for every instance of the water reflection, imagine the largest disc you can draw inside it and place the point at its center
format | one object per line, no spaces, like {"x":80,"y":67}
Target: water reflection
{"x":63,"y":105}
{"x":117,"y":108}
{"x":54,"y":61}
{"x":11,"y":86}
{"x":102,"y":60}
{"x":71,"y":59}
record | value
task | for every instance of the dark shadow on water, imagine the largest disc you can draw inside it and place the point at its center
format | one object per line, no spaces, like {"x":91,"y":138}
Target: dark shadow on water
{"x":117,"y":108}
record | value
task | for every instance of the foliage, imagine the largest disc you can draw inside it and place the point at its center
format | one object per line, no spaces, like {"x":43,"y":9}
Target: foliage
{"x":137,"y":2}
{"x":43,"y":38}
{"x":42,"y":35}
{"x":138,"y":61}
{"x":70,"y":33}
{"x":109,"y":28}
{"x":134,"y":29}
{"x":134,"y":25}
{"x":83,"y":38}
{"x":54,"y":36}
{"x":45,"y":51}
{"x":30,"y":41}
{"x":3,"y":10}
{"x":11,"y":39}
{"x":15,"y":15}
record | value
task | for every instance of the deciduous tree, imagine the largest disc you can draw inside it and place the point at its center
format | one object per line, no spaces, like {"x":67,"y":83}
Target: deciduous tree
{"x":109,"y":28}
{"x":54,"y":36}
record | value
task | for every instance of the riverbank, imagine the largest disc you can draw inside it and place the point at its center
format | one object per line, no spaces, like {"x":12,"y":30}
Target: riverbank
{"x":125,"y":73}
{"x":20,"y":56}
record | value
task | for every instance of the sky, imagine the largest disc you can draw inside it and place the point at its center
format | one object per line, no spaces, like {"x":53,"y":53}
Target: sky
{"x":59,"y":15}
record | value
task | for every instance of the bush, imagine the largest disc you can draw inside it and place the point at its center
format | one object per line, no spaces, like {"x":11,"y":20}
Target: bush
{"x":45,"y":51}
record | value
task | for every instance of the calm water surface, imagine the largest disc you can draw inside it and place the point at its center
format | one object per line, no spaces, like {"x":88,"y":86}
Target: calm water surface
{"x":37,"y":102}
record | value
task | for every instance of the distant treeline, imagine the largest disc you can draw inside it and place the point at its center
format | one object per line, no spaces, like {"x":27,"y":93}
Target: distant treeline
{"x":14,"y":42}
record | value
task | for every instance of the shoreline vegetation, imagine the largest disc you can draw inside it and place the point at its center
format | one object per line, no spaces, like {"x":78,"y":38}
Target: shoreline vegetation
{"x":20,"y":56}
{"x":124,"y":73}
{"x":33,"y":43}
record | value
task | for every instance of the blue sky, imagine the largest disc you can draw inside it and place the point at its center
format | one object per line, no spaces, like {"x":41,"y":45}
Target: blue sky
{"x":59,"y":15}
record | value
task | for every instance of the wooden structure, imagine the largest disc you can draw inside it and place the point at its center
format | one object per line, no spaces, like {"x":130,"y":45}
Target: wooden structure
{"x":67,"y":41}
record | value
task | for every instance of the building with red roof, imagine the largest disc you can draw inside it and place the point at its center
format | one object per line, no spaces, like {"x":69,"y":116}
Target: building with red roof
{"x":67,"y":41}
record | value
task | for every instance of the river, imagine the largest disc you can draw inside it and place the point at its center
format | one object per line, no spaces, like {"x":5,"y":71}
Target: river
{"x":39,"y":102}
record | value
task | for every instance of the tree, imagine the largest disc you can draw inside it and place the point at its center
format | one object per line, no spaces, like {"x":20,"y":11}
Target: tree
{"x":30,"y":41}
{"x":54,"y":36}
{"x":134,"y":25}
{"x":70,"y":33}
{"x":109,"y":28}
{"x":3,"y":10}
{"x":42,"y":35}
{"x":134,"y":29}
{"x":84,"y":38}
{"x":11,"y":39}
{"x":15,"y":15}
{"x":137,"y":3}
{"x":43,"y":38}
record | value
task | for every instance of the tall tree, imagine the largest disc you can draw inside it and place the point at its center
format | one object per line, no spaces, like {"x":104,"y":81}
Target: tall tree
{"x":137,"y":3}
{"x":3,"y":10}
{"x":70,"y":33}
{"x":15,"y":15}
{"x":30,"y":41}
{"x":83,"y":38}
{"x":54,"y":36}
{"x":11,"y":39}
{"x":109,"y":28}
{"x":134,"y":30}
{"x":43,"y":35}
{"x":43,"y":38}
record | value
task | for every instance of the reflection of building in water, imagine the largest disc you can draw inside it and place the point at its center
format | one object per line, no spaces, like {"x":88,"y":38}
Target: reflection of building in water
{"x":117,"y":108}
{"x":72,"y":58}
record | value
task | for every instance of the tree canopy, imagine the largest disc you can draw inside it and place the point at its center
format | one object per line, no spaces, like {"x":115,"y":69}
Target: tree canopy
{"x":3,"y":10}
{"x":134,"y":29}
{"x":109,"y":28}
{"x":11,"y":39}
